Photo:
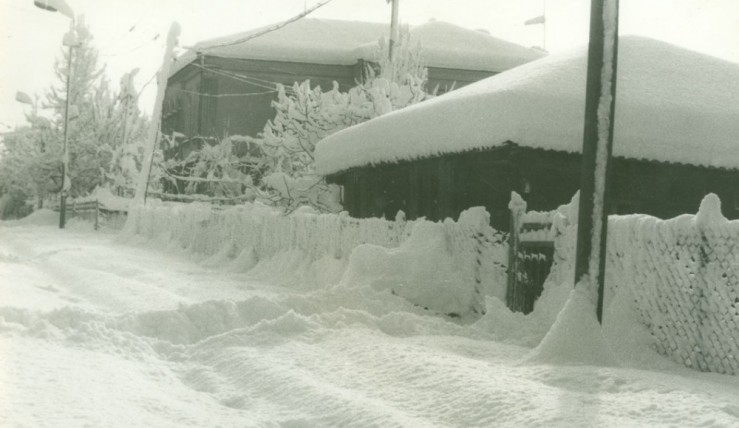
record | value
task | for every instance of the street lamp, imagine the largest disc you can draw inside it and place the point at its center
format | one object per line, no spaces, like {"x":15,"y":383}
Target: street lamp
{"x":23,"y":98}
{"x":70,"y":40}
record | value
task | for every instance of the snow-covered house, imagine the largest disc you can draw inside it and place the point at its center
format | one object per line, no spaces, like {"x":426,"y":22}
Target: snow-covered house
{"x":676,"y":138}
{"x":216,"y":90}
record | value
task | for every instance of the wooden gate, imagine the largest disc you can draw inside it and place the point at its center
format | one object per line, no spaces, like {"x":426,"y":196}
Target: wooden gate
{"x":530,"y":255}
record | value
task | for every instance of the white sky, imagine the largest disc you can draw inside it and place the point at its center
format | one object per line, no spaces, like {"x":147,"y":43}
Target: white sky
{"x":30,"y":38}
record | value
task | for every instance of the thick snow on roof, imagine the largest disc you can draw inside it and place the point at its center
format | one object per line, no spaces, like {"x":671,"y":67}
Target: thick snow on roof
{"x":672,"y":105}
{"x":446,"y":45}
{"x":325,"y":41}
{"x":322,"y":41}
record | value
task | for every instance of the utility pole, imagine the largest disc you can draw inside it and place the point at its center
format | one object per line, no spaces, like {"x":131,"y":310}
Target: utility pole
{"x":600,"y":101}
{"x":156,"y":117}
{"x":66,"y":184}
{"x":393,"y":27}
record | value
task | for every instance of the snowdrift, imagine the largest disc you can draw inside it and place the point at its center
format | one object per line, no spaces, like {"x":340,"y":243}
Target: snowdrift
{"x":448,"y":267}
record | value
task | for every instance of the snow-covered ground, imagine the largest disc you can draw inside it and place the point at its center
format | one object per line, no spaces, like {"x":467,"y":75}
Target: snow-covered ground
{"x":100,"y":331}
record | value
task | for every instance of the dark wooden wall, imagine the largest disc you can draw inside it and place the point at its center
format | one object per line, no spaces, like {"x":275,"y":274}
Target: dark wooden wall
{"x":201,"y":101}
{"x":444,"y":186}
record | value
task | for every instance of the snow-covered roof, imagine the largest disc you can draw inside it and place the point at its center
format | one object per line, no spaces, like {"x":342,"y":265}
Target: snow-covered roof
{"x":446,"y":45}
{"x":326,"y":41}
{"x":672,"y":105}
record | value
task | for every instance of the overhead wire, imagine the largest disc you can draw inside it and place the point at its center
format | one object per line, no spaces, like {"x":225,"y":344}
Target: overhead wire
{"x":152,"y":40}
{"x":266,"y":30}
{"x":239,"y":77}
{"x":244,"y":94}
{"x":133,"y":26}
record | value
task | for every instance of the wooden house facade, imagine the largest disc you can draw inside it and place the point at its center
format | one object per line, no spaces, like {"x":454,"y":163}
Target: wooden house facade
{"x":676,"y":139}
{"x":219,"y":89}
{"x":444,"y":186}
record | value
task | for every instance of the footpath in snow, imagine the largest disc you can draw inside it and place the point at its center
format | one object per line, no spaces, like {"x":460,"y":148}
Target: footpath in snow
{"x":98,"y":330}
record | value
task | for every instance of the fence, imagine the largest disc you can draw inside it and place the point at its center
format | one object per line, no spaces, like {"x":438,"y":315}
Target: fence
{"x":479,"y":252}
{"x":94,"y":211}
{"x":530,"y":254}
{"x":683,"y":275}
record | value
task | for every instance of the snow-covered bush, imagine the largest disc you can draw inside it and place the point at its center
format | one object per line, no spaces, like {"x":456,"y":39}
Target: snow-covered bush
{"x":214,"y":170}
{"x":306,"y":114}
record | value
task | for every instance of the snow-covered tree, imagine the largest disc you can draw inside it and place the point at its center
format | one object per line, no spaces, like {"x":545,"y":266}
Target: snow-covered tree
{"x":127,"y":153}
{"x":307,"y":114}
{"x":102,"y":133}
{"x":30,"y":166}
{"x":278,"y":166}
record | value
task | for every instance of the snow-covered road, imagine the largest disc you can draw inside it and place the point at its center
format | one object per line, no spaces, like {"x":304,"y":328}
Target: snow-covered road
{"x":98,"y":332}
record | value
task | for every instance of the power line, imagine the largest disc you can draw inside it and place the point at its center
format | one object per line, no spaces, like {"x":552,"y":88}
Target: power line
{"x":268,"y":29}
{"x":154,"y":39}
{"x":236,"y":76}
{"x":245,"y":94}
{"x":147,"y":82}
{"x":133,"y":26}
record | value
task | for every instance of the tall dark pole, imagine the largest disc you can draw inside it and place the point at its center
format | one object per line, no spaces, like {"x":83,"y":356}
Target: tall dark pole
{"x":393,"y":28}
{"x":70,"y":40}
{"x":66,"y":184}
{"x":600,"y":101}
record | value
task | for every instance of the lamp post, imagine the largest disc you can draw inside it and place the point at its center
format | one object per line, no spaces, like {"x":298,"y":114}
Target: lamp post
{"x":70,"y":40}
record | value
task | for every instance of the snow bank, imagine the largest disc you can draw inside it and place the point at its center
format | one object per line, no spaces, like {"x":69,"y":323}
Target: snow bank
{"x":576,"y":336}
{"x":422,"y":270}
{"x":672,"y":284}
{"x":42,"y":217}
{"x":448,"y":267}
{"x":673,"y":105}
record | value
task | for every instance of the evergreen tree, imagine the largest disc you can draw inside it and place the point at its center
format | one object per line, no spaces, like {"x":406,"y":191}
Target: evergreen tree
{"x":104,"y":135}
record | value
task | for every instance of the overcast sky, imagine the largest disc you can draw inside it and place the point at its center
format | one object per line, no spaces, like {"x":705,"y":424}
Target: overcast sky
{"x":131,"y":33}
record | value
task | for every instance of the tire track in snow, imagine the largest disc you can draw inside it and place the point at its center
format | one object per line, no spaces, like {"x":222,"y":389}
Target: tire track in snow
{"x":261,"y":356}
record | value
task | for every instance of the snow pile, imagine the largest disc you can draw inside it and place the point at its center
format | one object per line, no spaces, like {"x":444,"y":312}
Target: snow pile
{"x":96,"y":333}
{"x":428,"y":267}
{"x":42,"y":217}
{"x":673,"y":105}
{"x":681,"y":276}
{"x":106,"y":199}
{"x":575,"y":336}
{"x":447,"y":267}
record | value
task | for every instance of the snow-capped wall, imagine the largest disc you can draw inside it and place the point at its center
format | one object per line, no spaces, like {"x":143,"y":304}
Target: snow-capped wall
{"x":449,"y":267}
{"x":683,"y":277}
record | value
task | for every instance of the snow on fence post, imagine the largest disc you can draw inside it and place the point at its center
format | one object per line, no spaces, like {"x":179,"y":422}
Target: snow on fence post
{"x":517,"y":207}
{"x":600,"y":101}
